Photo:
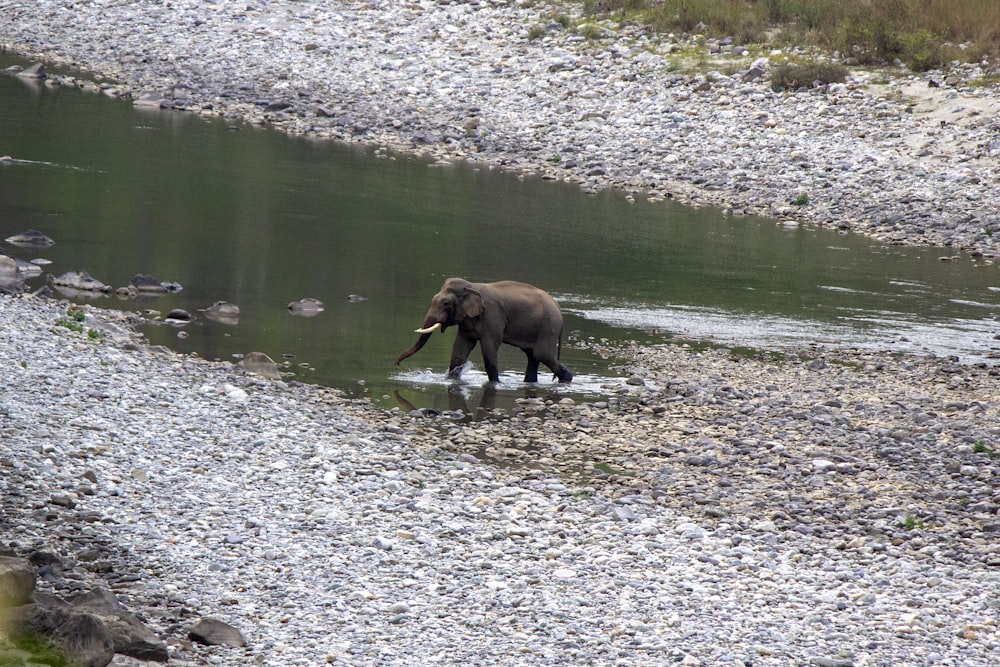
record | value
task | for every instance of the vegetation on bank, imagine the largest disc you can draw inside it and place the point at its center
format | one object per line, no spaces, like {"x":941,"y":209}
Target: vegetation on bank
{"x":922,"y":34}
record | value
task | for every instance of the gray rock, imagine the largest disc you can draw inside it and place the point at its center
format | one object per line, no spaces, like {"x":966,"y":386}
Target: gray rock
{"x":258,"y":363}
{"x":178,"y":316}
{"x":213,"y":632}
{"x":147,"y":284}
{"x":36,"y":71}
{"x":17,"y":581}
{"x":223,"y":312}
{"x":129,"y":635}
{"x":80,"y":280}
{"x":307,"y":307}
{"x":31,"y":238}
{"x":831,"y":662}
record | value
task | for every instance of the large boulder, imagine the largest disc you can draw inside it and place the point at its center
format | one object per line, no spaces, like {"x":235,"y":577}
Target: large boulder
{"x":130,"y":635}
{"x":83,"y":639}
{"x":31,"y":238}
{"x":258,"y":363}
{"x":17,"y":581}
{"x":80,"y":280}
{"x":88,"y":630}
{"x":213,"y":632}
{"x":11,"y":280}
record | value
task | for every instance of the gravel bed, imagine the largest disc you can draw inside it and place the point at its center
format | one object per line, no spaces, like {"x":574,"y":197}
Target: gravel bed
{"x":833,"y":510}
{"x":815,"y":507}
{"x":900,"y":157}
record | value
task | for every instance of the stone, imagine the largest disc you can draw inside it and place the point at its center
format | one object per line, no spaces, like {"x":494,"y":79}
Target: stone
{"x":147,"y":284}
{"x":81,"y":637}
{"x":80,"y":280}
{"x":213,"y":632}
{"x":31,"y":238}
{"x":129,"y":635}
{"x":17,"y":581}
{"x":9,"y":270}
{"x":831,"y":662}
{"x":224,"y":312}
{"x":307,"y":307}
{"x":258,"y":363}
{"x":178,"y":316}
{"x":36,"y":71}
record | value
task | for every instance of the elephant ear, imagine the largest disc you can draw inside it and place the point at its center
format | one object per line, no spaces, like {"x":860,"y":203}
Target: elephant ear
{"x":472,"y":303}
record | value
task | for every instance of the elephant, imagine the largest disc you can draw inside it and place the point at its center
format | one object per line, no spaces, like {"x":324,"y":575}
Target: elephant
{"x":493,"y":313}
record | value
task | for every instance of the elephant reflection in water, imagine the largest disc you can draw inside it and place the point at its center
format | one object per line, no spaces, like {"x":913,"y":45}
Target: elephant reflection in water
{"x":493,"y":313}
{"x":458,"y":403}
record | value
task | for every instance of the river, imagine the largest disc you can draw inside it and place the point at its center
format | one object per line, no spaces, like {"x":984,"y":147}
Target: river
{"x":259,"y":219}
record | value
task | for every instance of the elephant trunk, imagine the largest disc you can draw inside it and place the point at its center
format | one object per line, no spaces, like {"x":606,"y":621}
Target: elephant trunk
{"x":424,"y":337}
{"x":430,"y":326}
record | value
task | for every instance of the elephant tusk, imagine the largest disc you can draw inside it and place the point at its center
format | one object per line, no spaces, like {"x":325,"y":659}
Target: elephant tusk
{"x":431,"y":329}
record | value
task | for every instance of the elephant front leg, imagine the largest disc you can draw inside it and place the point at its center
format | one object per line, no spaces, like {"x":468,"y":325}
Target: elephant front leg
{"x":491,"y":357}
{"x":459,"y":355}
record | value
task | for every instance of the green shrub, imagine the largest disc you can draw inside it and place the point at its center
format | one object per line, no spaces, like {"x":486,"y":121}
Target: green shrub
{"x":792,"y":76}
{"x":72,"y":325}
{"x":921,"y":51}
{"x":589,"y":30}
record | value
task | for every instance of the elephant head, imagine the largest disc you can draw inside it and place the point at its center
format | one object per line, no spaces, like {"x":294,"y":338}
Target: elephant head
{"x":457,"y":301}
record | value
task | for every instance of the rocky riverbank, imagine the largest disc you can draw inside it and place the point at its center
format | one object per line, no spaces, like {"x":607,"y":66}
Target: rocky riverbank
{"x":821,"y":506}
{"x":900,"y":157}
{"x":825,"y":508}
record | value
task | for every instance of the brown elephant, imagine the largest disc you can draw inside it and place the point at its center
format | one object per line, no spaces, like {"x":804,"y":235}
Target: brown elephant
{"x":493,"y":313}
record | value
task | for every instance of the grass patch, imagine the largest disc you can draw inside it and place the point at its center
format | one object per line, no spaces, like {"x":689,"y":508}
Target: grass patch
{"x":589,"y":30}
{"x":34,"y":649}
{"x":72,"y":325}
{"x":922,"y":34}
{"x":74,"y":320}
{"x":980,"y":447}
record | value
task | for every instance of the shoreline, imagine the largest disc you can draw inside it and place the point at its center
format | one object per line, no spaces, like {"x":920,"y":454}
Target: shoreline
{"x":902,"y":158}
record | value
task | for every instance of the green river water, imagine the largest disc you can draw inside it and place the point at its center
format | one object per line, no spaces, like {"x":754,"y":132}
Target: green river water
{"x":260,"y":219}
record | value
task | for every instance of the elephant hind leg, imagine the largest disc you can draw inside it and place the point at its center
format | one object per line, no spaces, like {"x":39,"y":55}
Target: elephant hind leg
{"x":564,"y":374}
{"x":560,"y":371}
{"x":531,"y":372}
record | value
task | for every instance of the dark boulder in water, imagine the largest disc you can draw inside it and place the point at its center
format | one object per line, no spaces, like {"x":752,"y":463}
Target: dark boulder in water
{"x":36,"y":71}
{"x":147,"y":283}
{"x":80,"y":280}
{"x":179,"y":316}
